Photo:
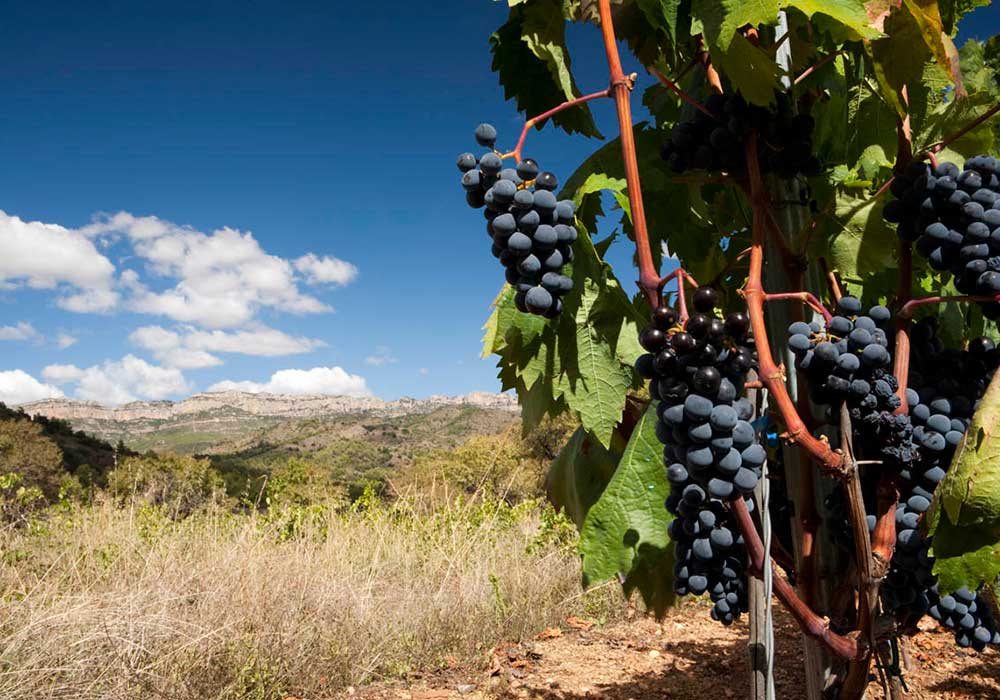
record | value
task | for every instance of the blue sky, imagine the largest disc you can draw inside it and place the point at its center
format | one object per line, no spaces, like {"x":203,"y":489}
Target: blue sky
{"x":254,"y":192}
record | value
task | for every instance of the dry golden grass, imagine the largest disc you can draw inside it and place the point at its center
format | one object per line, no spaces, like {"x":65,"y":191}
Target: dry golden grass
{"x":122,"y":602}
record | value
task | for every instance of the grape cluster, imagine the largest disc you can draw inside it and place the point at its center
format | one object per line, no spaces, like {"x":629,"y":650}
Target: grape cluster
{"x":850,"y":360}
{"x":716,"y":142}
{"x":953,"y":217}
{"x":973,"y":623}
{"x":696,"y":371}
{"x":944,"y":389}
{"x":532,"y":231}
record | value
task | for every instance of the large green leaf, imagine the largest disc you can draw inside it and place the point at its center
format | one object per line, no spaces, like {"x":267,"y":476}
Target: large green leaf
{"x":669,"y":16}
{"x":624,"y":533}
{"x":533,"y":64}
{"x":594,"y":381}
{"x":965,"y":520}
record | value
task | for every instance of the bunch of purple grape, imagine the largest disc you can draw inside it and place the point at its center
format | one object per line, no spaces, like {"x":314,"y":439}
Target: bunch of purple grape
{"x":532,"y":231}
{"x":696,"y":371}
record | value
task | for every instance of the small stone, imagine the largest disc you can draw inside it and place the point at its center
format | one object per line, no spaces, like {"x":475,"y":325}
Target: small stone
{"x":465,"y":688}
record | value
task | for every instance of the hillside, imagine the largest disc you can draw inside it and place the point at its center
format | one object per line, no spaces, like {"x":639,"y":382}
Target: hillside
{"x":41,"y":449}
{"x":234,"y":421}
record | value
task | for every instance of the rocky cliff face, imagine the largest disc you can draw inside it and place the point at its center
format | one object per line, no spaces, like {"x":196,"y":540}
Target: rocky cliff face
{"x":262,"y":405}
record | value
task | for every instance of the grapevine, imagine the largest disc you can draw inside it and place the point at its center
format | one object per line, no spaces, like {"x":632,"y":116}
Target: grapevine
{"x":748,"y":189}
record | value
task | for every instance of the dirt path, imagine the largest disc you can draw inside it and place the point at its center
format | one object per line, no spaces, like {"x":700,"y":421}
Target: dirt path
{"x":687,"y":656}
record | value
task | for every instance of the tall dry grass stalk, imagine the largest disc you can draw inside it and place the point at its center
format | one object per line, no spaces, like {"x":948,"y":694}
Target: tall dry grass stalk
{"x":122,"y":602}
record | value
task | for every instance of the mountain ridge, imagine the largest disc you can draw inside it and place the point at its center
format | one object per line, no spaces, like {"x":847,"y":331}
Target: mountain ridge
{"x":260,"y":404}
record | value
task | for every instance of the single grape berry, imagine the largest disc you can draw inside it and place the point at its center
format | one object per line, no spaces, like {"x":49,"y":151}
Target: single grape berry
{"x":466,"y":162}
{"x":527,"y":169}
{"x":705,"y":299}
{"x":737,"y":324}
{"x":664,"y":318}
{"x":486,"y":135}
{"x":546,"y":181}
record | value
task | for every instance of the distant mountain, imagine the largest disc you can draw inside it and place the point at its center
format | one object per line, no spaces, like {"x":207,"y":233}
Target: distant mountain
{"x":205,"y":421}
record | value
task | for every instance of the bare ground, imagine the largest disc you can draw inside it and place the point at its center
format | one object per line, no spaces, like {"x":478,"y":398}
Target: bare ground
{"x":687,"y":656}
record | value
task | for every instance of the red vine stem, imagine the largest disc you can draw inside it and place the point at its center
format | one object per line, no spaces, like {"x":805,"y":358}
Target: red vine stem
{"x":621,"y":88}
{"x":672,"y":86}
{"x":681,"y":275}
{"x":806,"y":298}
{"x":884,"y":535}
{"x":811,"y":623}
{"x":534,"y":121}
{"x":831,"y":278}
{"x":816,"y":66}
{"x":910,"y":306}
{"x":770,"y":373}
{"x":941,"y":145}
{"x":714,"y":79}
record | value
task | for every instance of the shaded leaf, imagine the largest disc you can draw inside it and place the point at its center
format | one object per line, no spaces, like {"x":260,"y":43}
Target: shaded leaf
{"x":858,"y":242}
{"x":579,"y":474}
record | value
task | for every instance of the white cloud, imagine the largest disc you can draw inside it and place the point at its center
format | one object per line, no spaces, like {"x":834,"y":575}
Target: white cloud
{"x":65,"y":340}
{"x":334,"y":381}
{"x":223,"y":277}
{"x":120,"y":382}
{"x":424,"y":371}
{"x":326,"y":270}
{"x":49,"y":256}
{"x":191,"y":348}
{"x":22,"y":331}
{"x":62,"y":374}
{"x":383,"y":356}
{"x":17,"y":386}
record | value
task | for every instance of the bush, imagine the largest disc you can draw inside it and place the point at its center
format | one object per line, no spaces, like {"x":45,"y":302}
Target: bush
{"x":26,"y":451}
{"x":180,"y":484}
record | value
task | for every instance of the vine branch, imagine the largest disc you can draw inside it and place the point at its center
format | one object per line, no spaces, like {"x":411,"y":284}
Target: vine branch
{"x":910,"y":306}
{"x":770,"y":373}
{"x":534,"y":121}
{"x":806,"y":298}
{"x":948,"y":140}
{"x":672,"y":86}
{"x":812,"y":624}
{"x":621,"y":89}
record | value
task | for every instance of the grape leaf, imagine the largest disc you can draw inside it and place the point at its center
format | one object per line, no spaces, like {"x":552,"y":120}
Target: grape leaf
{"x":624,"y":533}
{"x":928,"y":18}
{"x":916,"y":57}
{"x":965,"y":518}
{"x":750,"y":70}
{"x":670,"y":16}
{"x":578,"y":476}
{"x":533,"y":65}
{"x":851,"y":14}
{"x":583,"y":361}
{"x":506,"y":319}
{"x":588,"y":206}
{"x":593,"y":380}
{"x":858,"y":242}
